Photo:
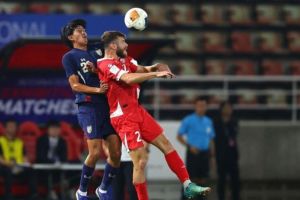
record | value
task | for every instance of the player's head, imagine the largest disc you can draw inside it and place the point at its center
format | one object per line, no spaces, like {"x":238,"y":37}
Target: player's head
{"x":200,"y":105}
{"x":115,"y":41}
{"x":53,"y":128}
{"x":74,"y":33}
{"x":11,"y":128}
{"x":226,"y":109}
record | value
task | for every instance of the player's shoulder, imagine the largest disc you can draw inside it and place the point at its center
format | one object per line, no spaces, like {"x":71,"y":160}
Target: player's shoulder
{"x":106,"y":62}
{"x":207,"y":119}
{"x":68,"y":55}
{"x":131,"y":60}
{"x":189,"y":117}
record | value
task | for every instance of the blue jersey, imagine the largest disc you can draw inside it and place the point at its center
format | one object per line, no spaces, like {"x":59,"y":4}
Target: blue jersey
{"x":198,"y":129}
{"x":74,"y":62}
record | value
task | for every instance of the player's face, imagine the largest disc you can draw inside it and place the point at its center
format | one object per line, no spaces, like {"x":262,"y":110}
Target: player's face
{"x":53,"y":131}
{"x":200,"y":107}
{"x":79,"y":36}
{"x":11,"y":129}
{"x":121,"y":47}
{"x":227,"y":110}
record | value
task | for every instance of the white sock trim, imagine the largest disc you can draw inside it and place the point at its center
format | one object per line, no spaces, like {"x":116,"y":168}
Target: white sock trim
{"x":81,"y":193}
{"x":186,"y":183}
{"x":102,"y":191}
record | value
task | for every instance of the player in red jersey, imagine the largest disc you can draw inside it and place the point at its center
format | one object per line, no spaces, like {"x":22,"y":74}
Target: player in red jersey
{"x":130,"y":120}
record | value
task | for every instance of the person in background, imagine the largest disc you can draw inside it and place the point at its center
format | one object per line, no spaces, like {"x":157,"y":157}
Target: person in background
{"x":226,"y":127}
{"x":197,"y":134}
{"x":51,"y":147}
{"x":14,"y":164}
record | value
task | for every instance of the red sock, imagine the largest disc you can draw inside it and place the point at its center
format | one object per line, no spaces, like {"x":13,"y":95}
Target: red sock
{"x":177,"y":166}
{"x":141,"y":190}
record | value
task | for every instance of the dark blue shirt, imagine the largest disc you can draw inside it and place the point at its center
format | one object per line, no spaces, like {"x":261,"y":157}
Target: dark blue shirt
{"x":74,"y":62}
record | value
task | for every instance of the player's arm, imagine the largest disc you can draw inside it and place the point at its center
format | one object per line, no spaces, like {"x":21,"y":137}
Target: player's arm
{"x":181,"y":140}
{"x":153,"y":68}
{"x":79,"y":87}
{"x":133,"y":78}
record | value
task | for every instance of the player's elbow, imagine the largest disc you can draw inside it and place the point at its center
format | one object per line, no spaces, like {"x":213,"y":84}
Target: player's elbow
{"x":75,"y":87}
{"x":127,"y":79}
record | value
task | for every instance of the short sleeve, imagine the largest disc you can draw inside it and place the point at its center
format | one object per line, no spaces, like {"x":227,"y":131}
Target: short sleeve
{"x":212,"y":133}
{"x":110,"y":71}
{"x":183,"y":129}
{"x":69,"y":65}
{"x":133,"y":64}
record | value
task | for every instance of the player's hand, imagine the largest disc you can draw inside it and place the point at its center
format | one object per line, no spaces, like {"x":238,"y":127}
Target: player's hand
{"x":162,"y":67}
{"x":91,"y":67}
{"x":103,"y":88}
{"x":194,"y":150}
{"x":165,"y":74}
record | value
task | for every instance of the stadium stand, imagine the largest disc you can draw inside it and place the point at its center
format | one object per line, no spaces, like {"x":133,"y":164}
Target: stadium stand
{"x":29,"y":132}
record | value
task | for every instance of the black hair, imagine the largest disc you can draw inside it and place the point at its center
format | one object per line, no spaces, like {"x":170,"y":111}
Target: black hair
{"x":9,"y":121}
{"x":68,"y":30}
{"x":53,"y":123}
{"x":201,"y":98}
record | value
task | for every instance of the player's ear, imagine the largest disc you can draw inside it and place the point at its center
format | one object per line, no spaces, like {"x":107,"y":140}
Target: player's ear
{"x":113,"y":45}
{"x":70,"y":37}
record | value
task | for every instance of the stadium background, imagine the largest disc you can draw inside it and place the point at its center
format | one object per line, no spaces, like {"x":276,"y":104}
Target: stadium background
{"x":245,"y":51}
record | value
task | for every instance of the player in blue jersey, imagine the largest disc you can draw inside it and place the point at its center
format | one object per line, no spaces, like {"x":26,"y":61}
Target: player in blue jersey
{"x":93,"y":110}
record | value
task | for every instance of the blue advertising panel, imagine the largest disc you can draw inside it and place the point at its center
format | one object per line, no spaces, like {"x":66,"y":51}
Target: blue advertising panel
{"x":37,"y":99}
{"x":37,"y":25}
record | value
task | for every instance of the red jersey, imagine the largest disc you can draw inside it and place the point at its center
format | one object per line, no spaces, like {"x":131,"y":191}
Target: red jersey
{"x":122,"y":98}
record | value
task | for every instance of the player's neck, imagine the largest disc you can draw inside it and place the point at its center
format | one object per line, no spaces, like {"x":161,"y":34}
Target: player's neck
{"x":81,"y":47}
{"x":110,"y":54}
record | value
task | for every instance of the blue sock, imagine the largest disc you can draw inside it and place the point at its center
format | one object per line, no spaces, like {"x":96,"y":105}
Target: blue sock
{"x":109,"y":174}
{"x":86,"y":176}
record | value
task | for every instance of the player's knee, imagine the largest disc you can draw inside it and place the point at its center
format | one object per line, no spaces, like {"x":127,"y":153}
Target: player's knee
{"x":142,"y":164}
{"x":94,"y":155}
{"x":115,"y":156}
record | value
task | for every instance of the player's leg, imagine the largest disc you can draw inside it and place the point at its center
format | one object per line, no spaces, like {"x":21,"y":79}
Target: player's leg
{"x":127,"y":173}
{"x":129,"y":132}
{"x":88,"y":120}
{"x":112,"y":145}
{"x":139,"y":159}
{"x":118,"y":184}
{"x":153,"y":133}
{"x":94,"y":149}
{"x":176,"y":164}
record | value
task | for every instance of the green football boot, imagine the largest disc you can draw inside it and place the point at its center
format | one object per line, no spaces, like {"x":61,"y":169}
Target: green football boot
{"x":194,"y":190}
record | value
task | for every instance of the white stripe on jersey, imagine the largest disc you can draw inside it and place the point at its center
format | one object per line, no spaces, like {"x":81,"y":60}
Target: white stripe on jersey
{"x":114,"y":69}
{"x":118,"y":112}
{"x":126,"y":143}
{"x":81,"y":76}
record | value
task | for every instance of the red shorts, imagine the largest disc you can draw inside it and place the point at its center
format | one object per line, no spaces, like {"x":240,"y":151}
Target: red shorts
{"x":135,"y":127}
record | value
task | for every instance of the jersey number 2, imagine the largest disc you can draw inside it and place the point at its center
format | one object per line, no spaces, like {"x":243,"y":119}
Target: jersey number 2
{"x":138,"y":136}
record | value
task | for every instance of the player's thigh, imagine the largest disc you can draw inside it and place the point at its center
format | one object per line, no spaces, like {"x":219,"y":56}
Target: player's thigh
{"x":88,"y":118}
{"x":150,"y":129}
{"x":112,"y":144}
{"x":129,"y":132}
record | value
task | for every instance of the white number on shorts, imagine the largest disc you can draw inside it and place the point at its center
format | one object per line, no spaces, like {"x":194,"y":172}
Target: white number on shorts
{"x":138,"y":136}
